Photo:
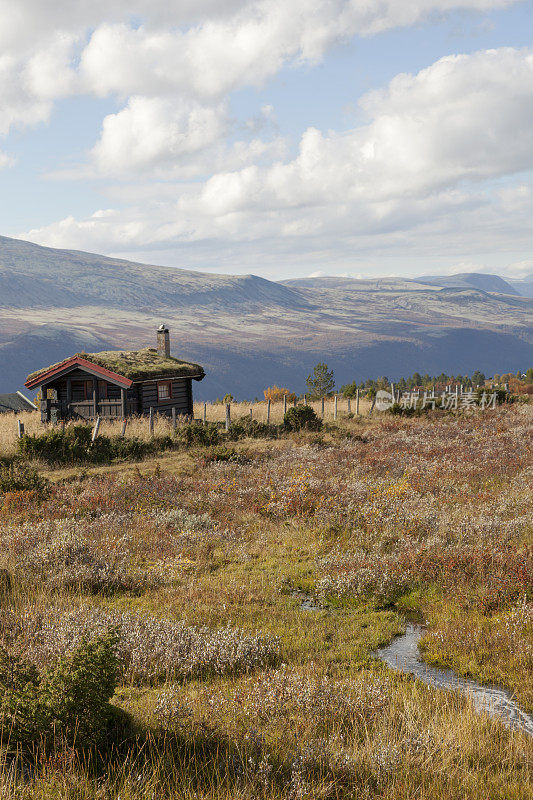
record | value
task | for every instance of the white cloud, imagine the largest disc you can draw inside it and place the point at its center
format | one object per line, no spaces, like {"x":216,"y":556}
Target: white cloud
{"x":204,"y":49}
{"x":151,"y":131}
{"x":421,"y":170}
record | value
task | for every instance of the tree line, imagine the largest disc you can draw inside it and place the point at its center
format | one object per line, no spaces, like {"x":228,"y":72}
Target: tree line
{"x":321,"y":383}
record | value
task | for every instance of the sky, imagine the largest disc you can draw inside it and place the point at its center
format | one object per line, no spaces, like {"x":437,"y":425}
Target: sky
{"x":283,"y":138}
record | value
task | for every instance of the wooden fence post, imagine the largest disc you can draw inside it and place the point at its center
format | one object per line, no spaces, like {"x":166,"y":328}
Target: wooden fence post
{"x":268,"y":411}
{"x":251,"y":413}
{"x":20,"y":429}
{"x":228,"y":416}
{"x":392,"y":391}
{"x":205,"y":413}
{"x":335,"y":408}
{"x":349,"y":406}
{"x":174,"y":418}
{"x":95,"y":429}
{"x":305,"y":399}
{"x":124,"y":425}
{"x":284,"y":404}
{"x":295,"y":401}
{"x":357,"y":402}
{"x":322,"y":409}
{"x":151,"y":421}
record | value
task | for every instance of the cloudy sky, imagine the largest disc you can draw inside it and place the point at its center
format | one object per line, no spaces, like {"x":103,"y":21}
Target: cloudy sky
{"x":280,"y":137}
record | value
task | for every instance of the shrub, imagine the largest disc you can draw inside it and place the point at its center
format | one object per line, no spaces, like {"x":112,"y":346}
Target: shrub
{"x":198,"y":434}
{"x":17,"y":477}
{"x":227,"y":454}
{"x":277,"y":393}
{"x":149,"y":650}
{"x":302,"y":418}
{"x":70,"y":701}
{"x":74,"y":445}
{"x":245,"y":428}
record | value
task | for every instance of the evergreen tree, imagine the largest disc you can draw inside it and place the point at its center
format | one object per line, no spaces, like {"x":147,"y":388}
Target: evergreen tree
{"x":321,"y":381}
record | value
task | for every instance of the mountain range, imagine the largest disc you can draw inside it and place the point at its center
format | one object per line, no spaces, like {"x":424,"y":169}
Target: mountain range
{"x":249,"y":332}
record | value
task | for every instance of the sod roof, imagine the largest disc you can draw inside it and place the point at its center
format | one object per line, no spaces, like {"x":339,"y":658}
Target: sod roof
{"x":137,"y":365}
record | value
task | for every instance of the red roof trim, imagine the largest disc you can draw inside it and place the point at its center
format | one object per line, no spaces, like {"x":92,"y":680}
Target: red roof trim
{"x":77,"y":361}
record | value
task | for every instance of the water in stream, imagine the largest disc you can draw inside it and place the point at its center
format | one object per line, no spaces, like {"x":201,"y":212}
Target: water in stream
{"x":403,"y":654}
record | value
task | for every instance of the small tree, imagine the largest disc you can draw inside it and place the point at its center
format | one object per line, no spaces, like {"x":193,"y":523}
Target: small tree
{"x":321,"y":381}
{"x":349,"y":389}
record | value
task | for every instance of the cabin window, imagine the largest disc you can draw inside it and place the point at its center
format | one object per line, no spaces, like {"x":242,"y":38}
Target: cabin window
{"x":164,"y":390}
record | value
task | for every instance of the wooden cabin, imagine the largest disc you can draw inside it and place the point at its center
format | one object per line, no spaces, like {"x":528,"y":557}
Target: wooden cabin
{"x":117,"y":384}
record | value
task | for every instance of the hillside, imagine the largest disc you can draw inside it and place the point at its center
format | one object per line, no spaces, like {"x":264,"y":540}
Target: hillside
{"x":246,"y":331}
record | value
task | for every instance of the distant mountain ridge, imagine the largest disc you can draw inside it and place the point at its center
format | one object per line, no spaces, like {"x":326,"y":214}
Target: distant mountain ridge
{"x":31,"y":275}
{"x":478,"y":280}
{"x":475,"y":280}
{"x":524,"y":286}
{"x":249,"y":332}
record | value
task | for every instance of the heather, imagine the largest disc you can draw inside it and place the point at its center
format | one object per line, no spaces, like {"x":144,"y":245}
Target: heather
{"x":190,"y":567}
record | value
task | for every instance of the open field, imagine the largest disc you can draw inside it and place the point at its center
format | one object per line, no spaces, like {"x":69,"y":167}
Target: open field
{"x":229,"y":687}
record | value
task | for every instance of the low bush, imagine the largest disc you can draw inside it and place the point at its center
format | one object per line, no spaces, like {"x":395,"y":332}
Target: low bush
{"x":246,"y":428}
{"x":68,"y":702}
{"x":225,"y":454}
{"x":302,"y":418}
{"x":196,"y":433}
{"x":74,"y":445}
{"x":19,"y":477}
{"x":149,"y":650}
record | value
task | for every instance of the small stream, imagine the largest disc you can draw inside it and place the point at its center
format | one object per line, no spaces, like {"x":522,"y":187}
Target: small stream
{"x":402,"y":654}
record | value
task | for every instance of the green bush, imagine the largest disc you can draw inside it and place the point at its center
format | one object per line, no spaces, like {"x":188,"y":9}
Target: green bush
{"x":69,"y":702}
{"x":17,"y":477}
{"x":302,"y":418}
{"x":196,"y":433}
{"x":246,"y":428}
{"x":73,"y":445}
{"x":227,"y":454}
{"x":401,"y":411}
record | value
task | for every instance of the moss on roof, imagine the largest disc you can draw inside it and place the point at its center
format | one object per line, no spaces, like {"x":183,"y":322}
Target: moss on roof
{"x":137,"y":365}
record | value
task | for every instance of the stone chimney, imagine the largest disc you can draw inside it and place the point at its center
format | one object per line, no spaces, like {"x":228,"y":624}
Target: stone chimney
{"x":163,"y":341}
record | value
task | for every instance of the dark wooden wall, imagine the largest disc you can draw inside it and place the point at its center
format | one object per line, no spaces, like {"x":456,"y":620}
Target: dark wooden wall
{"x":181,"y":398}
{"x":140,"y":397}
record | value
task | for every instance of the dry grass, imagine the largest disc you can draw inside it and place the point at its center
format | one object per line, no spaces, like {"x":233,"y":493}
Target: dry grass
{"x":373,"y":515}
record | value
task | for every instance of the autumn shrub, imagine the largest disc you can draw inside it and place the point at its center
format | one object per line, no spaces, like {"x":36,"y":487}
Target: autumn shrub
{"x":277,"y":393}
{"x":302,"y":418}
{"x":69,"y":701}
{"x":149,"y":650}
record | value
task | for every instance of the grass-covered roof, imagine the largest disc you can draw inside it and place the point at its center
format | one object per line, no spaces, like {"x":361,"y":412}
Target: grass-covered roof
{"x":137,"y":365}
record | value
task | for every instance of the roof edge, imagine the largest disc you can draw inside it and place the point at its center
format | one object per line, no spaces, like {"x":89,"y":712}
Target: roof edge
{"x":74,"y":361}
